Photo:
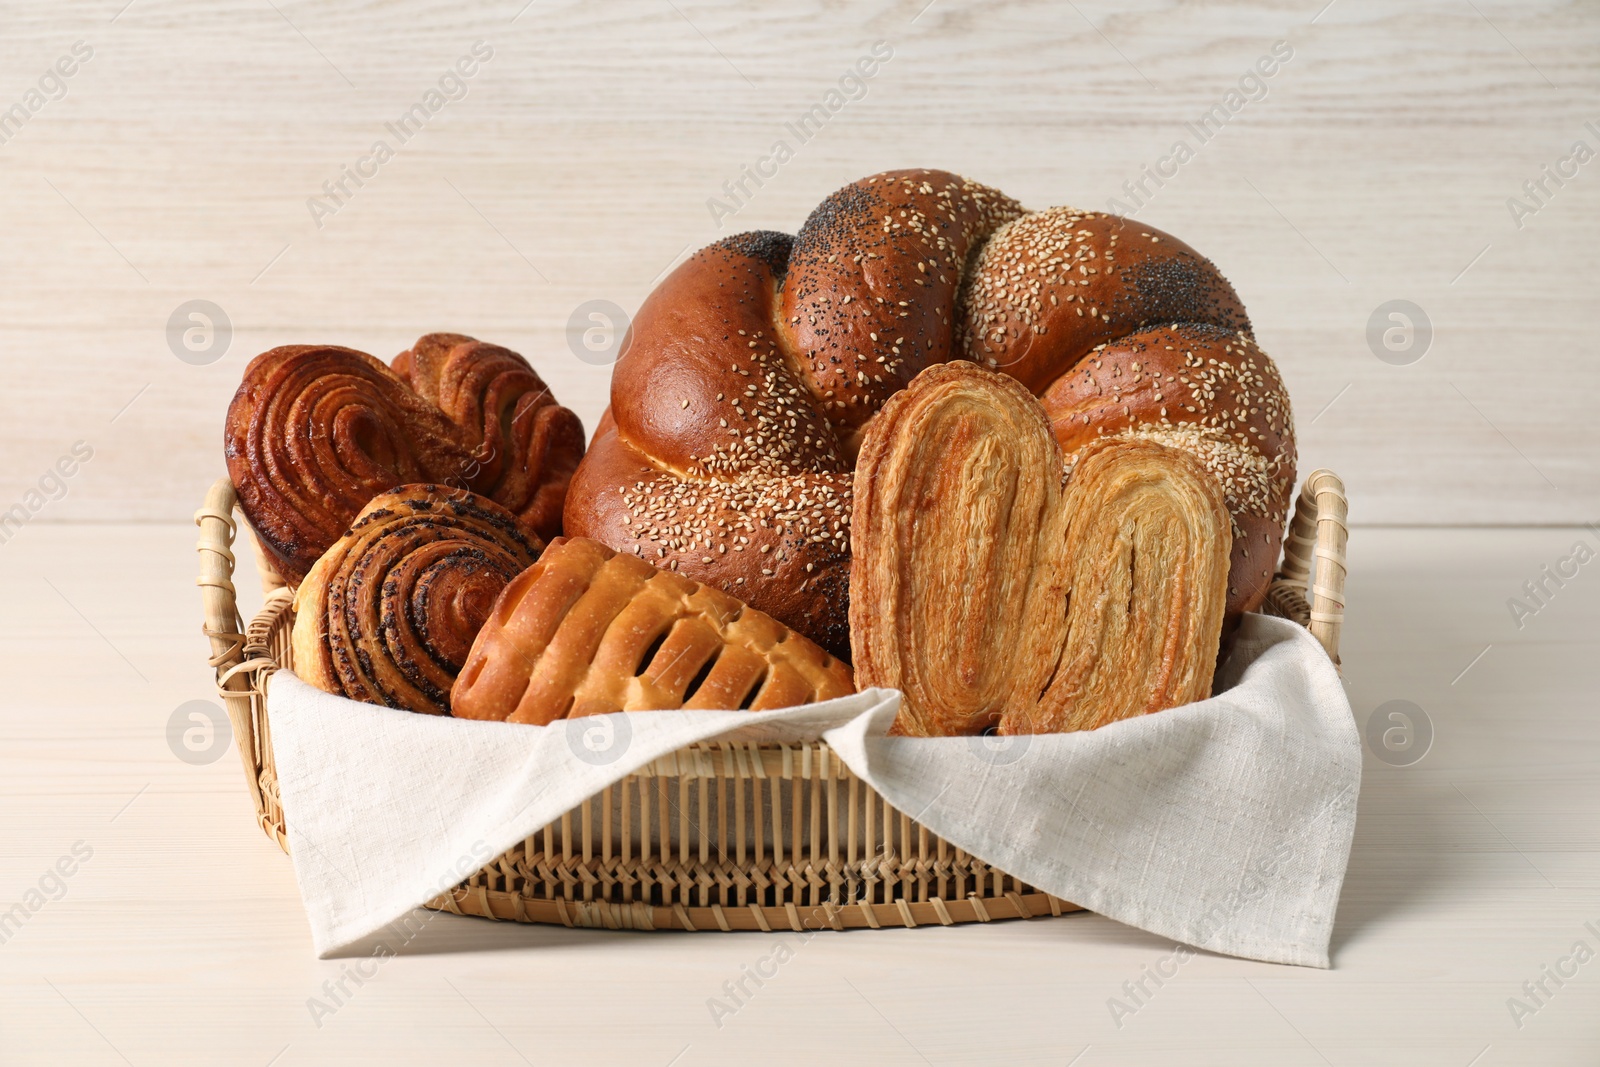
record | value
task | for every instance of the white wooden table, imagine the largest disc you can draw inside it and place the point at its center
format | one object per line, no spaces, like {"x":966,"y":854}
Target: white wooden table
{"x":181,"y":940}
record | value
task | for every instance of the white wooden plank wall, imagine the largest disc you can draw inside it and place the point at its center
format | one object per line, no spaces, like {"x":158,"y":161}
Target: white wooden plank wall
{"x":1376,"y":166}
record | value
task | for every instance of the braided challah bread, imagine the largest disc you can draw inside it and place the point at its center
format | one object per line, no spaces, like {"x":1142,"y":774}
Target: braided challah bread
{"x":738,"y":406}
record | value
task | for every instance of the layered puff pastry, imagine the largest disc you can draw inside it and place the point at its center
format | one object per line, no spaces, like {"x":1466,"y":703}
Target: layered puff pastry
{"x":1001,"y":593}
{"x":1146,"y":555}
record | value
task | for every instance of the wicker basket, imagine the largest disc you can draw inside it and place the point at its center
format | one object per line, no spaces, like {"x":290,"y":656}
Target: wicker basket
{"x":796,"y":841}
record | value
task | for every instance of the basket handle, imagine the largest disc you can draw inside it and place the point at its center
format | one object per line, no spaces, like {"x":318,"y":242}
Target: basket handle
{"x":224,"y":626}
{"x":1314,"y":565}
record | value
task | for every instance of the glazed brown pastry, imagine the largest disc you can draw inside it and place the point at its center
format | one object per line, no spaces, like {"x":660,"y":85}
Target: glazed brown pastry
{"x":389,"y":612}
{"x":993,"y":598}
{"x":1147,"y":545}
{"x":315,"y":432}
{"x":526,"y":445}
{"x":586,"y":631}
{"x":738,"y":407}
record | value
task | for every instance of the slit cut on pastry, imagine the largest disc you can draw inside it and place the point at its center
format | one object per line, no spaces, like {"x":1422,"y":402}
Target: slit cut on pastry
{"x":754,"y":692}
{"x":650,"y":653}
{"x":995,"y":597}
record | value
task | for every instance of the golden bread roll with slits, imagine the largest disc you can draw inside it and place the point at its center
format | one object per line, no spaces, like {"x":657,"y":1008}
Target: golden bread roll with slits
{"x":997,"y":599}
{"x":586,"y":631}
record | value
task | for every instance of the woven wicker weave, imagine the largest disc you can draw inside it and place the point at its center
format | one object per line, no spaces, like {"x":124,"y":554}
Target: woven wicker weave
{"x":715,"y":836}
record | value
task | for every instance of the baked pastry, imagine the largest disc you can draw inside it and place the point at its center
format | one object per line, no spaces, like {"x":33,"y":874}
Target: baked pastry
{"x":737,"y":408}
{"x":957,"y":578}
{"x":389,"y":612}
{"x":315,"y":431}
{"x":1147,"y":545}
{"x":994,"y":598}
{"x":586,"y":631}
{"x":1212,"y":394}
{"x":526,"y":446}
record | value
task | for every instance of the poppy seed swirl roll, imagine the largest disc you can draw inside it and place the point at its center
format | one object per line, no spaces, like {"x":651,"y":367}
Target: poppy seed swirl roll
{"x":389,"y":613}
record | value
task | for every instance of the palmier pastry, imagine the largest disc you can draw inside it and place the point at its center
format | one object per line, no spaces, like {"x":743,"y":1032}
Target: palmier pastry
{"x":994,"y":598}
{"x":1207,"y":392}
{"x":315,"y":431}
{"x":586,"y":631}
{"x":1147,"y":544}
{"x":389,"y":612}
{"x":738,"y":406}
{"x":957,"y":580}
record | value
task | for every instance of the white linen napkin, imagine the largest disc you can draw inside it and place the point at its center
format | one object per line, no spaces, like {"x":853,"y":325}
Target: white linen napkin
{"x":1224,"y":824}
